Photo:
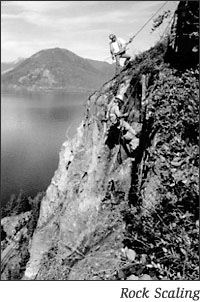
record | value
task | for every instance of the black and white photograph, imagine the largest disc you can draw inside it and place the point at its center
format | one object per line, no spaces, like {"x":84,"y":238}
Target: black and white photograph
{"x":100,"y":143}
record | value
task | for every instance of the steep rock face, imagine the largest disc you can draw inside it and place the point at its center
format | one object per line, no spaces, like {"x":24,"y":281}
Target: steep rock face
{"x":111,"y":215}
{"x":102,"y":199}
{"x":184,"y":45}
{"x":72,"y":204}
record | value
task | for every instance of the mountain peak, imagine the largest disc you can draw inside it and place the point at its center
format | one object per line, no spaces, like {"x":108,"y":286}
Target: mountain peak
{"x":58,"y":68}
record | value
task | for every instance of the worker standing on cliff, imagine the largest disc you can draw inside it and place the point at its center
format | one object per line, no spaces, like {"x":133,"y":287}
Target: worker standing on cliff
{"x":118,"y":50}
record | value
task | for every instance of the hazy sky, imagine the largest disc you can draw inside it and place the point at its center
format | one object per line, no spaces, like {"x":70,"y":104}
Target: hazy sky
{"x":80,"y":26}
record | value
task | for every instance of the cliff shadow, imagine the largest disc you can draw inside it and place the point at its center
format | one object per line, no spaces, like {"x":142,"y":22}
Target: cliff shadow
{"x":113,"y":138}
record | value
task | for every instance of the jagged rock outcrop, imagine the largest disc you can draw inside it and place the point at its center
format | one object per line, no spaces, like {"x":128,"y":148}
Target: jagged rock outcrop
{"x":71,"y":212}
{"x":183,"y":49}
{"x":84,"y":222}
{"x":102,"y":199}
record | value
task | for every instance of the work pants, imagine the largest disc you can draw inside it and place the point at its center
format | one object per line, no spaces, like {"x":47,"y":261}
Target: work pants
{"x":123,"y":55}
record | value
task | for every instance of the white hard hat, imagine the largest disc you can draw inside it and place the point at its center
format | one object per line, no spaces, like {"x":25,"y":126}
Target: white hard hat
{"x":119,"y":97}
{"x":111,"y":36}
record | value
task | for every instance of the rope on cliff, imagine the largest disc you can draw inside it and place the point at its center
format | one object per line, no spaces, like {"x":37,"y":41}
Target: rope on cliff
{"x":147,"y":22}
{"x":137,"y":33}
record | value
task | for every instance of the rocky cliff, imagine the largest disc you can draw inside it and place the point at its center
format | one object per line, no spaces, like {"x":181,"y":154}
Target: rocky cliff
{"x":183,"y":49}
{"x":114,"y":214}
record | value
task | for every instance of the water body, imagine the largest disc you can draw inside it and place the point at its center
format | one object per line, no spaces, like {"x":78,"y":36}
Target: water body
{"x":33,"y":128}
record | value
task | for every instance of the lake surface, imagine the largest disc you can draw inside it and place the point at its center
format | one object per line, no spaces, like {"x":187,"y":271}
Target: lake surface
{"x":33,"y":128}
